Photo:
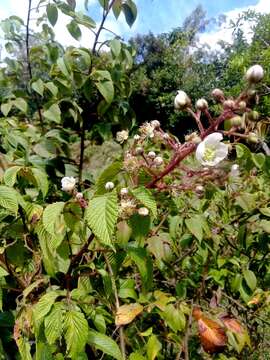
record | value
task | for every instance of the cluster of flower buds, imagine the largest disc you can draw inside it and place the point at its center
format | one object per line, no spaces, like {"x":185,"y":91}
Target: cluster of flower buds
{"x":122,"y":136}
{"x":129,"y":205}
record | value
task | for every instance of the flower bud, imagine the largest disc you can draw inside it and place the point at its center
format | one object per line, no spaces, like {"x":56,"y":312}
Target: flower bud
{"x":228,"y":104}
{"x":109,"y":185}
{"x":253,"y":116}
{"x":199,"y":189}
{"x":165,"y":136}
{"x":143,"y":211}
{"x":151,"y":154}
{"x":254,"y":74}
{"x":155,"y":124}
{"x":79,"y":196}
{"x":68,"y":183}
{"x":136,"y":137}
{"x":242,"y":105}
{"x":218,"y":94}
{"x":139,"y":150}
{"x":181,"y":100}
{"x":202,"y":104}
{"x":124,"y":191}
{"x":253,"y":138}
{"x":158,"y":161}
{"x":236,"y":121}
{"x":193,"y":137}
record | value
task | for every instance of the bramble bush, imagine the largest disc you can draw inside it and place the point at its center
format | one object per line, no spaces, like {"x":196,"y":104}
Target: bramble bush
{"x":165,"y":254}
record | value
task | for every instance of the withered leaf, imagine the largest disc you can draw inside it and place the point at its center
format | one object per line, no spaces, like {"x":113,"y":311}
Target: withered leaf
{"x":127,"y":313}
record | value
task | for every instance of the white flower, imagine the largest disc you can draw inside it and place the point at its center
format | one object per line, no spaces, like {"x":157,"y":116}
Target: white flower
{"x":211,"y":150}
{"x":124,"y":191}
{"x":181,"y":100}
{"x":68,"y":183}
{"x":79,"y":196}
{"x":122,"y":136}
{"x":254,"y":74}
{"x":158,"y":161}
{"x":202,"y":104}
{"x":143,"y":211}
{"x":109,"y":185}
{"x":151,"y":154}
{"x":136,"y":137}
{"x":155,"y":124}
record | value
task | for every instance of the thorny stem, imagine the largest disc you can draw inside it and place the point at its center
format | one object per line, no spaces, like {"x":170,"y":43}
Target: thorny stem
{"x":29,"y":62}
{"x":197,"y":119}
{"x":117,"y":305}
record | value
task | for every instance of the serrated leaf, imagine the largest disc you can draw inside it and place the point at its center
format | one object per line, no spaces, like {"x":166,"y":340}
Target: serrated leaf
{"x":42,"y":180}
{"x":54,"y":323}
{"x":74,"y":30}
{"x":20,"y":104}
{"x":246,"y":201}
{"x":76,"y":332}
{"x":105,"y":344}
{"x":24,"y":348}
{"x":53,"y":89}
{"x":51,"y":215}
{"x":44,"y":305}
{"x":127,"y":313}
{"x":146,"y":198}
{"x":8,"y":199}
{"x":5,"y":108}
{"x":145,"y":266}
{"x":174,"y":318}
{"x":258,"y":159}
{"x":53,"y":113}
{"x":250,"y":279}
{"x":38,"y":86}
{"x":10,"y":175}
{"x":195,"y":227}
{"x":52,"y":13}
{"x":101,"y":215}
{"x":107,"y":175}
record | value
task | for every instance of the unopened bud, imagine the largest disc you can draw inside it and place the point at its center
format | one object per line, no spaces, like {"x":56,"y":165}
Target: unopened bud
{"x":253,"y":138}
{"x":143,"y":211}
{"x":136,"y":137}
{"x":181,"y":100}
{"x":155,"y":123}
{"x":79,"y":196}
{"x":218,"y":94}
{"x":109,"y":185}
{"x":124,"y":191}
{"x":202,"y":104}
{"x":158,"y":161}
{"x":166,"y":136}
{"x":242,"y":105}
{"x":254,"y":74}
{"x":253,"y":116}
{"x":151,"y":154}
{"x":229,"y":104}
{"x":193,"y":137}
{"x":139,"y":150}
{"x":236,"y":121}
{"x":199,"y":189}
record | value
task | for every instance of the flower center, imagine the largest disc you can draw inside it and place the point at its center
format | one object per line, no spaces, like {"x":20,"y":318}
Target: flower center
{"x":209,"y":154}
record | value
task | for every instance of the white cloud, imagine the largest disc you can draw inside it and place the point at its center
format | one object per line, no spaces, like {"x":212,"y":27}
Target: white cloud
{"x":224,"y":33}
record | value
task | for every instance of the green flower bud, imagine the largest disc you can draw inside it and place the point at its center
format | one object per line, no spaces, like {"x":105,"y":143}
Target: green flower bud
{"x":236,"y":121}
{"x":253,"y":138}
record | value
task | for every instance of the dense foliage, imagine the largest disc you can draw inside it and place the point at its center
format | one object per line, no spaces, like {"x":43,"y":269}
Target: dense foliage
{"x":164,"y":254}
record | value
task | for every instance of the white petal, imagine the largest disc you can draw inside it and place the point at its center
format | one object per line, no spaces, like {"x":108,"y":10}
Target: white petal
{"x":213,"y":139}
{"x":200,"y":152}
{"x":222,"y":151}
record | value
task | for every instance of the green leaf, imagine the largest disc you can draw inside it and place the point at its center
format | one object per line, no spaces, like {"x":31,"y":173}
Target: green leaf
{"x":258,"y":159}
{"x":8,"y":199}
{"x":53,"y":113}
{"x":174,"y":318}
{"x":41,"y":179}
{"x":5,"y":108}
{"x":117,"y":7}
{"x":265,"y":226}
{"x":38,"y":86}
{"x":130,"y":11}
{"x":106,"y":89}
{"x":52,"y":13}
{"x":54,"y":323}
{"x":195,"y":226}
{"x":104,"y":343}
{"x":153,"y":347}
{"x":136,"y":356}
{"x":20,"y":104}
{"x":24,"y":348}
{"x":74,"y":30}
{"x":10,"y":175}
{"x":53,"y":89}
{"x":3,"y":272}
{"x":145,"y":266}
{"x":44,"y":305}
{"x":146,"y":198}
{"x":51,"y":215}
{"x":246,"y":201}
{"x":115,"y":45}
{"x":242,"y":151}
{"x":107,"y":175}
{"x":76,"y":332}
{"x":104,"y":4}
{"x":250,"y":279}
{"x":101,"y":216}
